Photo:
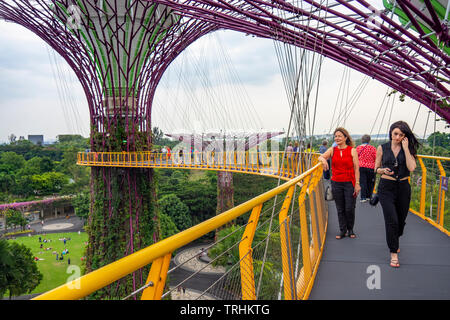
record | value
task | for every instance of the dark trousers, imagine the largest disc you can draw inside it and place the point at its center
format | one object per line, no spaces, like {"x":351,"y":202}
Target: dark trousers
{"x":367,"y":181}
{"x":327,"y":174}
{"x":345,"y":204}
{"x":394,"y":199}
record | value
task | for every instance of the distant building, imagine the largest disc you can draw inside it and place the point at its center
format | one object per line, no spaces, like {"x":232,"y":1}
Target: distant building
{"x":36,"y":139}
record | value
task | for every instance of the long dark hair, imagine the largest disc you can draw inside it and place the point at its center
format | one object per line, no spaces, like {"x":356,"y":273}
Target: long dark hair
{"x":413,"y":143}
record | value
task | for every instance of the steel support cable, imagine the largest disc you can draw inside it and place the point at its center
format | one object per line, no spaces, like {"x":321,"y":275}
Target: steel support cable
{"x":341,"y":98}
{"x":390,"y":113}
{"x":174,"y":95}
{"x":223,"y":238}
{"x":61,"y":89}
{"x":68,"y":93}
{"x":337,"y":100}
{"x":351,"y":104}
{"x":206,"y":249}
{"x":312,"y":79}
{"x":206,"y":265}
{"x":379,"y":110}
{"x":190,"y":89}
{"x":258,"y":121}
{"x":196,"y":272}
{"x":384,"y":114}
{"x":239,"y":93}
{"x":348,"y":106}
{"x":311,"y":133}
{"x":58,"y":90}
{"x":298,"y":132}
{"x":224,"y":275}
{"x":218,"y":106}
{"x":216,"y":114}
{"x":278,"y":183}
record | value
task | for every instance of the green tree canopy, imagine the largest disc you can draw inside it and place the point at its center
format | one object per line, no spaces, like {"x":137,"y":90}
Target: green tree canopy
{"x":440,"y":139}
{"x":172,"y":206}
{"x":168,"y":227}
{"x":11,"y":162}
{"x":15,"y":218}
{"x":81,"y":205}
{"x":18,"y":269}
{"x":37,"y":165}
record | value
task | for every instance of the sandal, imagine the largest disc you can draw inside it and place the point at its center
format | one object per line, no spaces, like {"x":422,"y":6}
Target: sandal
{"x":351,"y":234}
{"x":340,"y":235}
{"x":394,"y":263}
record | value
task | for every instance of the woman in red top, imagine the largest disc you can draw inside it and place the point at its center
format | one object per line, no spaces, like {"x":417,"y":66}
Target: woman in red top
{"x":366,"y":155}
{"x":344,"y":179}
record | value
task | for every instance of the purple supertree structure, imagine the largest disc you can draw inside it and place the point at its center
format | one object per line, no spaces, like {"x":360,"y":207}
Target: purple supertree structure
{"x":405,"y":45}
{"x":118,"y":50}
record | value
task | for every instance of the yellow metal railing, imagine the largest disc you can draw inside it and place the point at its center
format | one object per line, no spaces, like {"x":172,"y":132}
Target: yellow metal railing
{"x":429,"y":184}
{"x":297,"y":281}
{"x":272,"y":164}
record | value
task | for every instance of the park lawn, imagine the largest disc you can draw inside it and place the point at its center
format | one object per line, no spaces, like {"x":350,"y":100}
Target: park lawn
{"x":54,"y":273}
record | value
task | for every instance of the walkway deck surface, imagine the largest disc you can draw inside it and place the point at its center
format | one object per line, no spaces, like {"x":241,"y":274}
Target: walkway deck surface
{"x":424,"y":271}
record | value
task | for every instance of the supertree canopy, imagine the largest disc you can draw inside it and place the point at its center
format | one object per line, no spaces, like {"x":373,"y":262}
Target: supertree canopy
{"x":117,"y":49}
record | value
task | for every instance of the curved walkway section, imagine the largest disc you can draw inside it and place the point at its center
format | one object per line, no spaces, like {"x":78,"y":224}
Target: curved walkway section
{"x":271,"y":164}
{"x":359,"y":268}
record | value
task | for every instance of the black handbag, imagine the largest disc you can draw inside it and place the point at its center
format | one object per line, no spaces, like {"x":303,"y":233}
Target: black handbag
{"x":374,"y":199}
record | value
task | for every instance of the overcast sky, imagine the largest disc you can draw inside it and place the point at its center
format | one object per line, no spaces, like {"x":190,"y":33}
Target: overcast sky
{"x":31,"y":104}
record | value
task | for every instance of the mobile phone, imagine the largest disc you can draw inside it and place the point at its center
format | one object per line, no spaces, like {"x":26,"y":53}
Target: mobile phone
{"x":355,"y":195}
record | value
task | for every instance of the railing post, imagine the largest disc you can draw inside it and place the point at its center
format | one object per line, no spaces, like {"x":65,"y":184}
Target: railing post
{"x":246,"y":258}
{"x":319,"y":208}
{"x":423,"y":188}
{"x":157,"y":276}
{"x":441,"y":195}
{"x":286,"y":251}
{"x":306,"y":271}
{"x":313,"y":213}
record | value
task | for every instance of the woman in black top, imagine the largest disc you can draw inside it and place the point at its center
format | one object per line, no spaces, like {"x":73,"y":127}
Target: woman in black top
{"x":395,"y":160}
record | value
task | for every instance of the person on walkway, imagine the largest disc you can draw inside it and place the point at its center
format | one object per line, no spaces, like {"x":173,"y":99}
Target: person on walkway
{"x":296,"y":151}
{"x":169,"y":151}
{"x":366,"y":155}
{"x":395,"y":160}
{"x":289,"y":150}
{"x":344,"y":179}
{"x":322,"y":149}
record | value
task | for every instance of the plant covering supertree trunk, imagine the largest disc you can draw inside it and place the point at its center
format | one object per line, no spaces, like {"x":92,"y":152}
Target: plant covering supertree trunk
{"x":225,"y":193}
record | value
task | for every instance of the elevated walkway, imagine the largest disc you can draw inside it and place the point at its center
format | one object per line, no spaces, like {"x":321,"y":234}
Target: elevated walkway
{"x":343,"y":273}
{"x":333,"y":269}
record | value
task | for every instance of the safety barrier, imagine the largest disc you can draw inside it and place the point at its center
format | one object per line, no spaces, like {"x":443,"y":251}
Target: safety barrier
{"x":429,"y":186}
{"x":298,"y":238}
{"x":272,"y":164}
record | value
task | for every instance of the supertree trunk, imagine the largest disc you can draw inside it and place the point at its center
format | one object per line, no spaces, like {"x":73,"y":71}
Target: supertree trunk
{"x":225,"y":193}
{"x":123,"y":220}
